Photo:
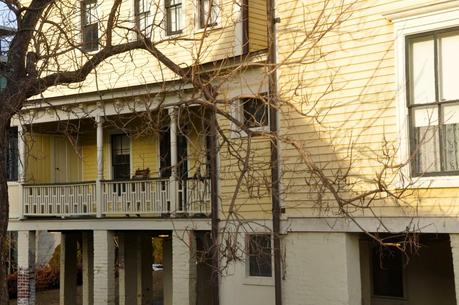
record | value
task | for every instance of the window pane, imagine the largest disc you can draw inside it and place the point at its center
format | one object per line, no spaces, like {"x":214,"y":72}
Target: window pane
{"x":427,"y":148}
{"x":450,"y":137}
{"x":425,"y":116}
{"x":422,"y":71}
{"x":12,"y":155}
{"x":449,"y":65}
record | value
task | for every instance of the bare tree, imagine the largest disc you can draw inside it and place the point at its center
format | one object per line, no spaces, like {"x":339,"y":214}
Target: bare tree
{"x":47,"y":51}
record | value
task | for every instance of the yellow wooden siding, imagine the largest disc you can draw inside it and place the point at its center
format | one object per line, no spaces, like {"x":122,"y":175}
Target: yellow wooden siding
{"x":358,"y":59}
{"x":38,"y":165}
{"x":258,"y":36}
{"x":139,"y":67}
{"x":145,"y":152}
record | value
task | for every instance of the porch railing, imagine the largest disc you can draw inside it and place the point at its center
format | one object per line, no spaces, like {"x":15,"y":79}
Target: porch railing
{"x":70,"y":199}
{"x":149,"y":197}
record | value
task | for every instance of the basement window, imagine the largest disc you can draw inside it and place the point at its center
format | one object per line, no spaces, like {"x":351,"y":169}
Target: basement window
{"x":259,"y":255}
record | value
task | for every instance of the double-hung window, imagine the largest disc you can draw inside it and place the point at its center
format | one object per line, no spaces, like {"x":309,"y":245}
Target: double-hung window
{"x":143,"y":16}
{"x":90,"y":25}
{"x":173,"y":16}
{"x":433,"y":102}
{"x":208,"y":13}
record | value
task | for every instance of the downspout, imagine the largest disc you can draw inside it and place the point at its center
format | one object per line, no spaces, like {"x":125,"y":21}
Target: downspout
{"x":215,"y":218}
{"x":274,"y":129}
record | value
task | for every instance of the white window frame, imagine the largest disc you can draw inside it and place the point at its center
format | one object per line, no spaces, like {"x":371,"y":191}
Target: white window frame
{"x":407,"y":22}
{"x":238,"y":113}
{"x":258,"y":280}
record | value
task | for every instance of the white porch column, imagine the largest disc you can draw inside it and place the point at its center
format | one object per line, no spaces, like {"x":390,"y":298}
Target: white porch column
{"x":21,"y":168}
{"x":68,"y":268}
{"x":183,"y":268}
{"x":88,"y":267}
{"x":104,"y":268}
{"x":127,"y":268}
{"x":100,"y":164}
{"x":26,"y":268}
{"x":174,"y":158}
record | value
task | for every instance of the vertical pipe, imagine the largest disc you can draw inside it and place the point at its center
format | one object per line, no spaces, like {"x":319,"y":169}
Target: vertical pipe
{"x":274,"y":128}
{"x":215,"y":219}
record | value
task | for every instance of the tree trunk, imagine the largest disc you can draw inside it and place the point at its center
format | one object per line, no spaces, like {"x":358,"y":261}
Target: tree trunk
{"x":4,"y":212}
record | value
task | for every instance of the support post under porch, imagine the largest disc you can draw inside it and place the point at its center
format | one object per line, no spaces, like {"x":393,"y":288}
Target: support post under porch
{"x":68,"y":268}
{"x":127,"y":268}
{"x":184,"y":272}
{"x":26,"y":268}
{"x":87,"y":249}
{"x":104,"y":268}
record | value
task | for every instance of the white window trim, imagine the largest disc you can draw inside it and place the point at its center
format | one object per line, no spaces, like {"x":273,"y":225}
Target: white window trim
{"x":410,"y":21}
{"x":258,"y":280}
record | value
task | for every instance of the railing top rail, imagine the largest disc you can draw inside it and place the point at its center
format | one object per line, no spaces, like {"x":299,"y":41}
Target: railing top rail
{"x":59,"y":183}
{"x":135,"y":180}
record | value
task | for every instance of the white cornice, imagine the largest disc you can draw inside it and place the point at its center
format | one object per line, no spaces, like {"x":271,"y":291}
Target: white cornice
{"x":432,"y":7}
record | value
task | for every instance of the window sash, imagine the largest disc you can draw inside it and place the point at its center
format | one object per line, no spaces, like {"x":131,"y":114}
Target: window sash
{"x":90,"y":26}
{"x":204,"y":6}
{"x":173,"y":16}
{"x":433,"y":118}
{"x":143,"y":20}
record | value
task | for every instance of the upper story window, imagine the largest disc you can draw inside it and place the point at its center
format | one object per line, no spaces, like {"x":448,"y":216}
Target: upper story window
{"x":259,"y":253}
{"x":255,"y":112}
{"x":143,"y":16}
{"x":121,"y":156}
{"x":173,"y":16}
{"x":12,"y":155}
{"x":208,"y":13}
{"x":90,"y":25}
{"x":433,"y":101}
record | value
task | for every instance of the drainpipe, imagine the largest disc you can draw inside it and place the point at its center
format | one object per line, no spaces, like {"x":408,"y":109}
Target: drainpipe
{"x":274,"y":128}
{"x":215,"y":218}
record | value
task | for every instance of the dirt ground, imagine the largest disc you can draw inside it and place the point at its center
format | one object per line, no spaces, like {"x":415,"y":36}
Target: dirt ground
{"x":51,"y":297}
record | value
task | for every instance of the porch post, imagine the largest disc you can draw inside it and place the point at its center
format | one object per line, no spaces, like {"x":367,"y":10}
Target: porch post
{"x":104,"y":268}
{"x":87,"y":250}
{"x":26,"y":268}
{"x":21,"y":169}
{"x":173,"y":179}
{"x":184,"y":271}
{"x":100,"y":164}
{"x":68,"y":268}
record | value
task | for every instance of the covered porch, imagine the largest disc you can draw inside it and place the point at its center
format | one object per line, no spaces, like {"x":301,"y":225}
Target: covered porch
{"x":116,"y":166}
